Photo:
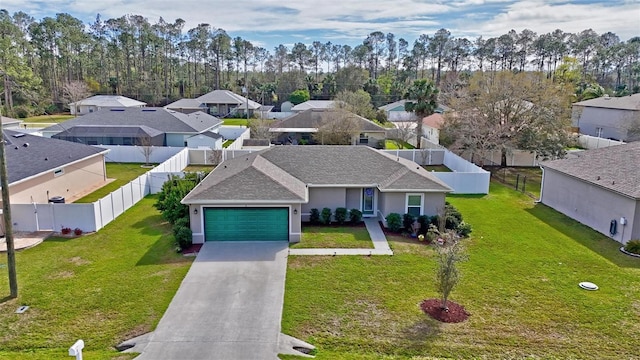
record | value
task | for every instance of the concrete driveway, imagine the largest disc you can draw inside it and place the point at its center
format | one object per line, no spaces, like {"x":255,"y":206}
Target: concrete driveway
{"x":229,"y":306}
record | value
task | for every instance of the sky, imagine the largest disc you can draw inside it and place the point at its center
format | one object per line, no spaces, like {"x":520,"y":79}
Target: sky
{"x":268,"y":23}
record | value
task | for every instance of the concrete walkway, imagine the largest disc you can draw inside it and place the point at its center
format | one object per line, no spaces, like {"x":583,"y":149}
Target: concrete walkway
{"x":25,"y":240}
{"x":380,"y":244}
{"x":229,"y":306}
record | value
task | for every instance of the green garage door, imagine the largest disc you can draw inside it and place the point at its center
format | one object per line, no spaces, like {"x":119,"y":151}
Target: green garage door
{"x":246,"y":224}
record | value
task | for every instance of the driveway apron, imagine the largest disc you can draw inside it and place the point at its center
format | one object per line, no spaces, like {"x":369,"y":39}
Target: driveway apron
{"x":229,"y":306}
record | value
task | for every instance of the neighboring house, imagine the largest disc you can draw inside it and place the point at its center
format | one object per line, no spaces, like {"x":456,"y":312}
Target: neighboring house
{"x":10,"y":123}
{"x":431,"y":126}
{"x":301,"y":127}
{"x":608,"y":117}
{"x":40,"y":168}
{"x":187,"y":106}
{"x":133,"y":126}
{"x":255,"y":144}
{"x":264,"y":196}
{"x":314,"y":105}
{"x":597,"y":187}
{"x":98,"y":102}
{"x":396,"y":112}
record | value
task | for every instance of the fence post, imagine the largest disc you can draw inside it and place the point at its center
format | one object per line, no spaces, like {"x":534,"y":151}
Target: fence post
{"x":524,"y":182}
{"x":517,"y":180}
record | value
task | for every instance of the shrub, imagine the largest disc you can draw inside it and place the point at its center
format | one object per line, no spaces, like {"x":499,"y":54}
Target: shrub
{"x":432,"y":233}
{"x":394,"y":222}
{"x":314,"y":218}
{"x":355,"y":216}
{"x":464,"y":229}
{"x":633,"y":246}
{"x":453,"y":217}
{"x":407,"y":221}
{"x":423,"y":220}
{"x":341,"y":215}
{"x":182,"y":235}
{"x":65,"y":230}
{"x":172,"y":193}
{"x":325,"y":216}
{"x":77,"y":231}
{"x":183,"y":221}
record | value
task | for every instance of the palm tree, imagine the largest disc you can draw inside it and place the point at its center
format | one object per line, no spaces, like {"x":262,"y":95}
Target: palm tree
{"x":422,"y":98}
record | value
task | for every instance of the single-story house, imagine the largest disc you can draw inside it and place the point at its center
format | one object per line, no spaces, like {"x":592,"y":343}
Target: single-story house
{"x":396,"y":111}
{"x":599,"y":188}
{"x":10,"y":123}
{"x":187,"y":106}
{"x":431,"y":126}
{"x":221,"y":103}
{"x":139,"y":126}
{"x":301,"y":127}
{"x":314,"y":105}
{"x":40,"y":168}
{"x":265,"y":195}
{"x":97,"y":102}
{"x":608,"y":117}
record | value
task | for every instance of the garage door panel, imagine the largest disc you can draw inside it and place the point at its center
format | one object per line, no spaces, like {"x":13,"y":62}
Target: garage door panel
{"x":242,"y":224}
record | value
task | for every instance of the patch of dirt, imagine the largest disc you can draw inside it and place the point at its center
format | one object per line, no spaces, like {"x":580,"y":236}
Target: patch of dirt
{"x":135,"y":332}
{"x":77,"y":260}
{"x":62,"y":275}
{"x":192,"y":250}
{"x":455,"y":314}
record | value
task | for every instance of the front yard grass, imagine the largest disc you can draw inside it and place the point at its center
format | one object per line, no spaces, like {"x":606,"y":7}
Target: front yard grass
{"x":102,"y":288}
{"x":520,"y":285}
{"x":123,"y":173}
{"x":56,"y":118}
{"x":342,"y":237}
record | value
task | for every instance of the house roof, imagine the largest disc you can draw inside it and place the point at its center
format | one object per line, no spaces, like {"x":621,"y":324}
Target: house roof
{"x":256,"y":142}
{"x":314,"y":104}
{"x":186,"y":104}
{"x":614,"y":168}
{"x":9,"y":121}
{"x":282,"y":173}
{"x":310,"y":120}
{"x":399,"y":106}
{"x":29,"y":155}
{"x":112,"y":131}
{"x":164,"y":120}
{"x":209,"y":134}
{"x":110,"y":101}
{"x":434,"y":120}
{"x":226,"y":97}
{"x":630,"y":102}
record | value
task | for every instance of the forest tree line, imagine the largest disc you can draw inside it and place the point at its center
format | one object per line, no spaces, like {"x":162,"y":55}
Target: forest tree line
{"x":161,"y":62}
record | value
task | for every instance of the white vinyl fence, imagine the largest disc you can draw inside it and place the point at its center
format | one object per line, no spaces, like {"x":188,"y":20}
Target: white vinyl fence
{"x":94,"y":216}
{"x":134,"y":154}
{"x":237,"y":133}
{"x":593,"y":142}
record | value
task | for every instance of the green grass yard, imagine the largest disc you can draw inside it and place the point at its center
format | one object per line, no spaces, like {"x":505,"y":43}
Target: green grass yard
{"x":48,"y":118}
{"x":437,"y":168}
{"x":123,"y":173}
{"x":236,"y":122}
{"x":520,"y":285}
{"x":392,"y":145}
{"x":102,"y":288}
{"x":529,"y":177}
{"x":334,"y":237}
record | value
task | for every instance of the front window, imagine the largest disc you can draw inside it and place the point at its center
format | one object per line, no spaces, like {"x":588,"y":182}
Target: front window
{"x":414,"y":204}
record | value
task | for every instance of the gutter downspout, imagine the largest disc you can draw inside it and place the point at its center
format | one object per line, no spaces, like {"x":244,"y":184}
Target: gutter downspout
{"x":541,"y":185}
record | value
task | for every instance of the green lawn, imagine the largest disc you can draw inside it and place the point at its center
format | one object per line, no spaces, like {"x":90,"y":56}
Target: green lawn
{"x":227,"y":143}
{"x":48,"y":118}
{"x":236,"y":122}
{"x":437,"y":168}
{"x":392,"y":145}
{"x":102,"y":288}
{"x":122,"y":173}
{"x":197,"y":168}
{"x":334,"y":237}
{"x":520,"y":285}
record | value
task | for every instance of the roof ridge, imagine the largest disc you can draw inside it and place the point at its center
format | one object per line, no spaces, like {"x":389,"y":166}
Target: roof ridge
{"x":287,"y":180}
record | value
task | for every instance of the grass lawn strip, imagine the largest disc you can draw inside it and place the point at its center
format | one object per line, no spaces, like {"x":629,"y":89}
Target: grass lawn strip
{"x":314,"y":237}
{"x":103,"y":288}
{"x":520,"y":286}
{"x":58,"y":118}
{"x":123,"y":173}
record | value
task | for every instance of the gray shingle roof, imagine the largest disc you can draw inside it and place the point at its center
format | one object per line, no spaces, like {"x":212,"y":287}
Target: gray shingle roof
{"x":615,"y":168}
{"x":316,"y":118}
{"x":156,"y":118}
{"x":226,"y":97}
{"x":209,"y":134}
{"x":113,"y":131}
{"x":109,"y":101}
{"x":41,"y":154}
{"x":630,"y":102}
{"x":283,"y":172}
{"x":186,"y":104}
{"x":314,"y":104}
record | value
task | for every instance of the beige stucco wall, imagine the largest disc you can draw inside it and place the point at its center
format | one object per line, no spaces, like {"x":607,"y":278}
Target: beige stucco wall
{"x":325,"y":197}
{"x":590,"y":204}
{"x":197,"y":220}
{"x":77,"y":180}
{"x":354,"y":198}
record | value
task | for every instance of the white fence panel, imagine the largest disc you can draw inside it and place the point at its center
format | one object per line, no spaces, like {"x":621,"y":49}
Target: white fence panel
{"x":127,"y":196}
{"x":230,"y":154}
{"x":239,"y":140}
{"x":176,"y":163}
{"x":25,"y":218}
{"x":593,"y":142}
{"x":466,"y":183}
{"x":156,"y":180}
{"x":134,"y":154}
{"x":231,"y":132}
{"x":116,"y":203}
{"x":105,"y":206}
{"x":422,"y":157}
